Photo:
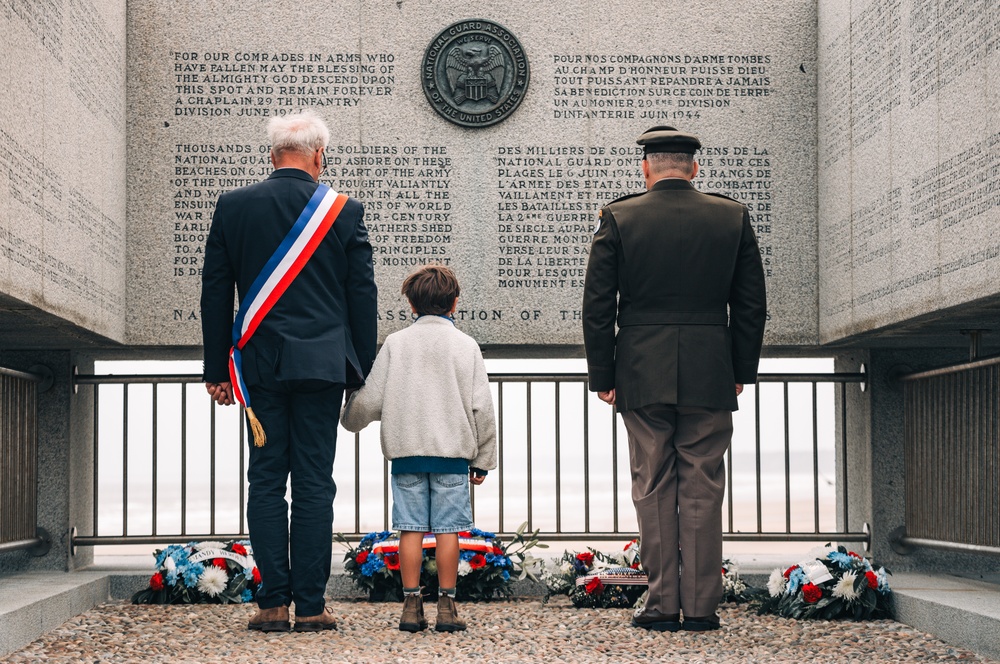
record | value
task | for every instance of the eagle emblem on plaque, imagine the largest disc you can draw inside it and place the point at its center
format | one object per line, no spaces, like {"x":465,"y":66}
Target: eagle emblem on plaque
{"x":476,"y":71}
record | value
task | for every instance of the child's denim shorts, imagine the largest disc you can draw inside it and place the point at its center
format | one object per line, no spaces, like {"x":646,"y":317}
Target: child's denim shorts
{"x":431,"y":502}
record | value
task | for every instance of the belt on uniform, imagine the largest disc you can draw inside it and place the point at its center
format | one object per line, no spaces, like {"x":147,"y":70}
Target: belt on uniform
{"x":632,"y":318}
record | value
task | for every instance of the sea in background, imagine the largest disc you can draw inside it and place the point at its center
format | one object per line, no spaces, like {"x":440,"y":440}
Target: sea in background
{"x":599,"y":471}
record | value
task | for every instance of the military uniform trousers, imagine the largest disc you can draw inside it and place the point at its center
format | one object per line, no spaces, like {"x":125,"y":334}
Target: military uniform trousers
{"x":677,"y":459}
{"x":300,"y":418}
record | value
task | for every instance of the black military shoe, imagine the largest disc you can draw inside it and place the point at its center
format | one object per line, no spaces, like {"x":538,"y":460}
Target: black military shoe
{"x":706,"y":624}
{"x":655,"y":621}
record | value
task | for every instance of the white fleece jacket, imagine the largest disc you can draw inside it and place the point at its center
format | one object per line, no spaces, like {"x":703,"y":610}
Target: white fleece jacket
{"x":430,"y":389}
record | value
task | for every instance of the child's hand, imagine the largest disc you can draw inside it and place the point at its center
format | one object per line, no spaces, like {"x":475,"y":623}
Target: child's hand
{"x":476,"y":479}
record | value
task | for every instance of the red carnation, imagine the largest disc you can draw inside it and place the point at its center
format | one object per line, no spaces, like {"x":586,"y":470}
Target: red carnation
{"x":851,"y":553}
{"x":240,"y":549}
{"x":156,"y":581}
{"x":628,"y":545}
{"x":256,"y":576}
{"x":872,"y":580}
{"x":587,"y":558}
{"x":788,"y":572}
{"x":362,"y":557}
{"x":392,"y":561}
{"x":219,"y":562}
{"x":477,"y":561}
{"x":811,"y":593}
{"x":594,"y":586}
{"x":497,"y":551}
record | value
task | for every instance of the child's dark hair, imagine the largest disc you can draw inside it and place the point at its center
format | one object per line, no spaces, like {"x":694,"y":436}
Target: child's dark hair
{"x":431,"y":290}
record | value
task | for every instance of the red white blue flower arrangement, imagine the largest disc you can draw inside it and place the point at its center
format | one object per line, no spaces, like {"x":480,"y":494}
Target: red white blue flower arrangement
{"x":202,"y":573}
{"x":836,"y":584}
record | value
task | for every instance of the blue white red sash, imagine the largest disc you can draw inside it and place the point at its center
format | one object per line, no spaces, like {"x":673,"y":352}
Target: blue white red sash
{"x":280,"y":271}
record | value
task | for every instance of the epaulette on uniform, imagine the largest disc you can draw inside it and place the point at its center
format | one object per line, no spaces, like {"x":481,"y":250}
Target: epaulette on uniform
{"x":626,"y":197}
{"x":728,"y":198}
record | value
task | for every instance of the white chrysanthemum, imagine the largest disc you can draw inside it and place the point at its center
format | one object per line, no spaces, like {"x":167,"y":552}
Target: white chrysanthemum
{"x":845,"y":587}
{"x":213,"y":581}
{"x":169,"y":564}
{"x":464,"y":567}
{"x":820,"y":552}
{"x":776,"y":583}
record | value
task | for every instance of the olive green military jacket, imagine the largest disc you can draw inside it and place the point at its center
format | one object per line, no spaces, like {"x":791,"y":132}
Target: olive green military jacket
{"x":679,"y":272}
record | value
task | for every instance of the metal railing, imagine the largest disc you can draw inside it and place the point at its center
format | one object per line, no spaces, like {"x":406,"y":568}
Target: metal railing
{"x":170,"y":466}
{"x":19,"y":462}
{"x":952,"y":458}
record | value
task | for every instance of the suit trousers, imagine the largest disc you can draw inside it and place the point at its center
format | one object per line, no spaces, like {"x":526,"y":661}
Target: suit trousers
{"x":677,"y":458}
{"x":300,"y":420}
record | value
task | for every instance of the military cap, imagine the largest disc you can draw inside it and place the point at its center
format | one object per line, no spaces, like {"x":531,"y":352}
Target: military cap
{"x":662,"y":138}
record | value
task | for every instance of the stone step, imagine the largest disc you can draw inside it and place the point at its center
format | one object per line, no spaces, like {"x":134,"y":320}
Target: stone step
{"x":33,"y":603}
{"x":963,"y":612}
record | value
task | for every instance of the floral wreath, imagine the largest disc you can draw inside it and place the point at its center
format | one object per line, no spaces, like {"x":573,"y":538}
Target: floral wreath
{"x":486,"y":567}
{"x":836,"y":584}
{"x":202,"y":573}
{"x":593,"y":579}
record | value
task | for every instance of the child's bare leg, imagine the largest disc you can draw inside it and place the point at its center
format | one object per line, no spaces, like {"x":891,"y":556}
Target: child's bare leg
{"x":447,"y":559}
{"x":411,"y":557}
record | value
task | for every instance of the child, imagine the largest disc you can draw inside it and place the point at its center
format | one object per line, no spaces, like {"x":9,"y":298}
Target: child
{"x":430,"y":389}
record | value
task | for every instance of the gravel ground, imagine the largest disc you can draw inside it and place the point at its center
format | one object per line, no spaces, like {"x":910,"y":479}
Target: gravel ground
{"x":515,"y":631}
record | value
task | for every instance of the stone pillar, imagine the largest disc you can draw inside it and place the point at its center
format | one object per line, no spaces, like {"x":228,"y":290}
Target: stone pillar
{"x":65,"y":461}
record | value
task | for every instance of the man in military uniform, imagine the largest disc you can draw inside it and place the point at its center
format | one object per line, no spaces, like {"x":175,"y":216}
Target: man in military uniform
{"x":680,"y":272}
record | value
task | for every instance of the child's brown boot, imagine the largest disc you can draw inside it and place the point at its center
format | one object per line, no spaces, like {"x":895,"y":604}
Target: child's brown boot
{"x":412,"y":619}
{"x":447,"y":616}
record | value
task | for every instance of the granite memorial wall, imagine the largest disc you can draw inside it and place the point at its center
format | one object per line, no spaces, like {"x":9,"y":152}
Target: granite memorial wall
{"x":62,"y":161}
{"x":909,"y":160}
{"x":484,"y":136}
{"x":870,"y":164}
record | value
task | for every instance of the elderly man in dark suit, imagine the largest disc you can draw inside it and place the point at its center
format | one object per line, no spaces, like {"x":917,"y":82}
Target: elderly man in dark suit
{"x":680,"y":273}
{"x":305,"y":338}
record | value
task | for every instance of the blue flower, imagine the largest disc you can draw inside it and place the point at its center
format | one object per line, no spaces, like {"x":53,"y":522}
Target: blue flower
{"x":580,"y":566}
{"x":191,"y":572}
{"x":476,"y":532}
{"x":843,"y":560}
{"x":175,"y":551}
{"x":372,"y":565}
{"x":466,"y":555}
{"x":248,"y":573}
{"x":498,"y":561}
{"x":505,"y":575}
{"x":247,"y":596}
{"x":371,"y":538}
{"x":795,"y":580}
{"x":172,"y":577}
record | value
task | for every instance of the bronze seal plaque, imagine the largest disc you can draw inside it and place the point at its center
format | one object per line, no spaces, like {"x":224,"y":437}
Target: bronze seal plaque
{"x":475,"y":73}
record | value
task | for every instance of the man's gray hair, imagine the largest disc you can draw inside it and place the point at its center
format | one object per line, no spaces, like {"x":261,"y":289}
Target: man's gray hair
{"x":670,"y":161}
{"x":301,"y":133}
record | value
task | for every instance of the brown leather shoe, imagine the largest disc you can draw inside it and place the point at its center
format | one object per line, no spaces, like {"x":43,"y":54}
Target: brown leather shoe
{"x":447,"y":616}
{"x":655,"y":621}
{"x":413,"y":619}
{"x":318,"y":623}
{"x":702,"y":624}
{"x":270,"y":620}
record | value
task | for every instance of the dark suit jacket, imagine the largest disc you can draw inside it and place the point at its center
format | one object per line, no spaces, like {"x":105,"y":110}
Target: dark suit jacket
{"x":664,"y":266}
{"x":324,"y":326}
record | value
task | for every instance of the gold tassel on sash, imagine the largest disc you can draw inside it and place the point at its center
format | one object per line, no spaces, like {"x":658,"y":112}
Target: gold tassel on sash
{"x":258,"y":429}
